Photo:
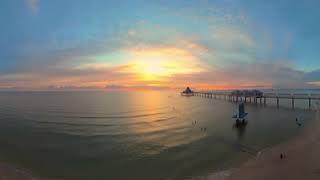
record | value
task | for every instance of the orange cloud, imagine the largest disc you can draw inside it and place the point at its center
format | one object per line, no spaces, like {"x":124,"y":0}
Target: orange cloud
{"x":149,"y":64}
{"x":161,"y":63}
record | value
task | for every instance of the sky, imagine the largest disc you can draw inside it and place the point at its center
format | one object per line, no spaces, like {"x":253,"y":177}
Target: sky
{"x":159,"y":44}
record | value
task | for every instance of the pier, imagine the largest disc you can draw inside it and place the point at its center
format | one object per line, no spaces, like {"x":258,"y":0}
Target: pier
{"x":258,"y":97}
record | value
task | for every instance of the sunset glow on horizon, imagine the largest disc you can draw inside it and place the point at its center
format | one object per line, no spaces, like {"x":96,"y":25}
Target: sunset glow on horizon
{"x":159,"y":45}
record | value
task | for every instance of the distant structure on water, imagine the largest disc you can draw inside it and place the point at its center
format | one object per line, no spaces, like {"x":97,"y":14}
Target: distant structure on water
{"x":255,"y":93}
{"x":240,"y":117}
{"x":187,"y":92}
{"x":253,"y":96}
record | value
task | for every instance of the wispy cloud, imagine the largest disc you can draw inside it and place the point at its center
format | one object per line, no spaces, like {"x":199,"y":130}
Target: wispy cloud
{"x":33,"y":6}
{"x":202,"y":46}
{"x":232,"y":36}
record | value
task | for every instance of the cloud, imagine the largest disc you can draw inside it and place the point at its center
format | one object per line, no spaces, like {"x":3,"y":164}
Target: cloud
{"x":314,"y":83}
{"x":313,"y":76}
{"x":117,"y":87}
{"x":148,"y":55}
{"x":120,"y":77}
{"x":33,"y":6}
{"x":180,"y":62}
{"x":250,"y":75}
{"x":232,"y":36}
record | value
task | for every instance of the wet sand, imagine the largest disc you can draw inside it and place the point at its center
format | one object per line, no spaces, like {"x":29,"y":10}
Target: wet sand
{"x":8,"y":172}
{"x":301,"y":159}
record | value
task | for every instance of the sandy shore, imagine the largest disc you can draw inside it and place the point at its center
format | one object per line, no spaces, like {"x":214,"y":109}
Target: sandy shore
{"x":8,"y":172}
{"x":302,"y":160}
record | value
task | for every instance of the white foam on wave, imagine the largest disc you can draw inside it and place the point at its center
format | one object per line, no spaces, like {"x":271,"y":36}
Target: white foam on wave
{"x":221,"y":175}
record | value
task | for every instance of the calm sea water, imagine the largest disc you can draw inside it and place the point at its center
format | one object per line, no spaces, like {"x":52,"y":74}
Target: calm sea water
{"x":134,"y":135}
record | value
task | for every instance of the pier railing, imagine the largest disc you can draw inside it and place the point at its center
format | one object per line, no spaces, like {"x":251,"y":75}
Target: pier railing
{"x":259,"y":97}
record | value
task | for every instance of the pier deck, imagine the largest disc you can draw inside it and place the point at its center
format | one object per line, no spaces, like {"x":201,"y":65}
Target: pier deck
{"x":262,"y":99}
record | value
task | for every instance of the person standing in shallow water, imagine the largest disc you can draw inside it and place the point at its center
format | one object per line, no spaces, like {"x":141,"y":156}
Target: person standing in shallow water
{"x":298,"y":123}
{"x":281,"y":156}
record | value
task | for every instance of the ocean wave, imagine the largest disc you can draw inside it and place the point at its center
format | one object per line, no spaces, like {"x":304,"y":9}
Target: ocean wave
{"x":98,"y":124}
{"x":220,"y":175}
{"x":113,"y":117}
{"x":74,"y":124}
{"x":110,"y":113}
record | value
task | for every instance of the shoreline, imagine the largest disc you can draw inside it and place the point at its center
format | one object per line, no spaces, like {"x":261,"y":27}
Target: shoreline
{"x":10,"y":172}
{"x":300,"y":161}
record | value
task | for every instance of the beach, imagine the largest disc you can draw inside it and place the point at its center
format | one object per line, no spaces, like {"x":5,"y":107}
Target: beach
{"x":9,"y":172}
{"x":301,"y":159}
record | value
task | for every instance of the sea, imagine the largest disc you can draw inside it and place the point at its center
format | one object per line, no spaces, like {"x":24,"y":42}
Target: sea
{"x":151,"y":135}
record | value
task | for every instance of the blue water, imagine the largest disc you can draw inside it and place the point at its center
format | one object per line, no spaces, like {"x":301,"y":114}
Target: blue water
{"x":134,"y":135}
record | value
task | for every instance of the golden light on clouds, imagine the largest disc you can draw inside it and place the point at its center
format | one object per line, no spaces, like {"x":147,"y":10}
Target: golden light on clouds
{"x":140,"y":67}
{"x":158,"y":64}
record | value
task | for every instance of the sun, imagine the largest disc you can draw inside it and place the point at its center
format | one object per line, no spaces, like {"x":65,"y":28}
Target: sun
{"x":162,"y":63}
{"x":154,"y":69}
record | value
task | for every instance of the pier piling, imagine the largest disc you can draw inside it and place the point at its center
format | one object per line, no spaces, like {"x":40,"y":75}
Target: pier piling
{"x":292,"y":101}
{"x":309,"y":103}
{"x":260,"y":100}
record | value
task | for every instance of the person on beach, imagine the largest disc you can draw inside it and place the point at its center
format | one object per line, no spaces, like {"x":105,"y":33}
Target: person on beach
{"x":297,"y":122}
